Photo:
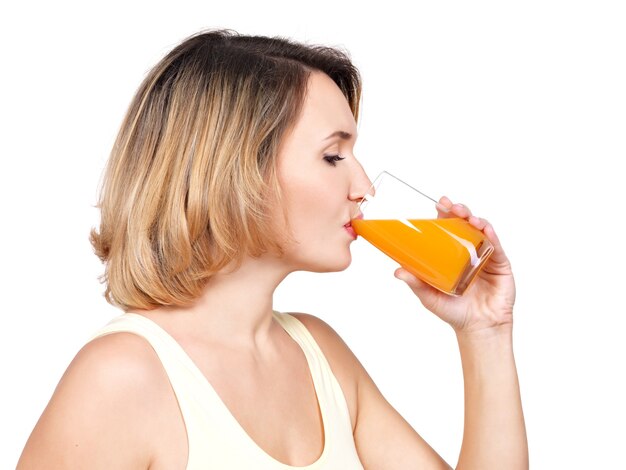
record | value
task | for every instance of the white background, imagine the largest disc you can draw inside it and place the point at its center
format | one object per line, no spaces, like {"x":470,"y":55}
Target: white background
{"x":517,"y":109}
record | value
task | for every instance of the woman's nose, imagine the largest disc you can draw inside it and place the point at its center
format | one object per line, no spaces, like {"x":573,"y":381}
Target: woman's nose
{"x":361,"y":185}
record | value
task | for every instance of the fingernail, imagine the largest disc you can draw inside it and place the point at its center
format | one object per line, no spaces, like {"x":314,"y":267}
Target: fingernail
{"x":442,"y":208}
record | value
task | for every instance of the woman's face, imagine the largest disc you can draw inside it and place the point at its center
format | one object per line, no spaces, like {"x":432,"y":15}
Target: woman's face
{"x":321,"y":180}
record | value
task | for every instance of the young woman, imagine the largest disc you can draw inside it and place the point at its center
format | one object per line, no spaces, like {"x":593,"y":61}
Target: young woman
{"x":233,"y":168}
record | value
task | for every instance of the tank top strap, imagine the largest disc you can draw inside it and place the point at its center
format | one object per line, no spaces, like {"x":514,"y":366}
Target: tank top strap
{"x":331,"y":397}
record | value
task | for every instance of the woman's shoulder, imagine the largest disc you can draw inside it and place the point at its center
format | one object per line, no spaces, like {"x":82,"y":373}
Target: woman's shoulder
{"x":120,"y":358}
{"x":325,"y":336}
{"x":113,"y":366}
{"x":106,"y":399}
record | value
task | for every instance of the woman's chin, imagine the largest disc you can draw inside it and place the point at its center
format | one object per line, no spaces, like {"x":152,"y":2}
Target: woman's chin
{"x":335,"y":264}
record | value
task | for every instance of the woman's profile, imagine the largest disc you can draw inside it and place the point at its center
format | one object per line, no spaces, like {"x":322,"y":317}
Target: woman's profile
{"x":233,"y":168}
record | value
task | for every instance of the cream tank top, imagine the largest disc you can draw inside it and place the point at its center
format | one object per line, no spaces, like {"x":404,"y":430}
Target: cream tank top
{"x":215,"y":438}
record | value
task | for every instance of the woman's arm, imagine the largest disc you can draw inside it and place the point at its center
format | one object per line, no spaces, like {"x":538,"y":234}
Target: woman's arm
{"x":494,"y":434}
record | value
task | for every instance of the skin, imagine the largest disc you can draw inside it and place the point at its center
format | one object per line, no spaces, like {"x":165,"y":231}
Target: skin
{"x":115,"y":394}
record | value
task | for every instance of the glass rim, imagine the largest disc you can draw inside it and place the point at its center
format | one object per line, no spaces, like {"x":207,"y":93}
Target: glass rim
{"x":368,"y":196}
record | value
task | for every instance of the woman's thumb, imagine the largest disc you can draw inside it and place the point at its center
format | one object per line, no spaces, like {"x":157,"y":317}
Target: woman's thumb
{"x":412,"y":281}
{"x":419,"y":287}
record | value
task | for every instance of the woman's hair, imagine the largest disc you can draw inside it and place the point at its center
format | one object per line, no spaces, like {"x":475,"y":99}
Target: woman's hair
{"x":191,"y":181}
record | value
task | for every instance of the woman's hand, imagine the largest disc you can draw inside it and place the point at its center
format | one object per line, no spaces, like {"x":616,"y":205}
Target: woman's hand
{"x":488,"y":302}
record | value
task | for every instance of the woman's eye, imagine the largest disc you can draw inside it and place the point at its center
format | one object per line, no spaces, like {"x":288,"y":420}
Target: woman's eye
{"x":333,"y":159}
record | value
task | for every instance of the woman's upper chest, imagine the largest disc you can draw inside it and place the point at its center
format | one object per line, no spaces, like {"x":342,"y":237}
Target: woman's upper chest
{"x":271,"y":396}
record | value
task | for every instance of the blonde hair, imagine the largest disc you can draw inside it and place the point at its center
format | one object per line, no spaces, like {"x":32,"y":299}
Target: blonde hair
{"x":190,"y":182}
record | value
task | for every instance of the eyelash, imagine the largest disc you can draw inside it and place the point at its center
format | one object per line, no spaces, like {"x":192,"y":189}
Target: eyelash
{"x":333,"y":159}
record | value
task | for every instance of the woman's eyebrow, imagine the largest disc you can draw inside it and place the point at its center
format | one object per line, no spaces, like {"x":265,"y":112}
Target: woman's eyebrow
{"x":341,"y":134}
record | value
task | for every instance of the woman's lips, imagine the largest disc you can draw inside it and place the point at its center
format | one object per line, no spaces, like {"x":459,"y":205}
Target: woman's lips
{"x":350,"y":230}
{"x":349,"y":227}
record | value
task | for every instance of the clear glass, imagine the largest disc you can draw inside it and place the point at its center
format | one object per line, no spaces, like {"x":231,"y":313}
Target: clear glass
{"x":403,"y":223}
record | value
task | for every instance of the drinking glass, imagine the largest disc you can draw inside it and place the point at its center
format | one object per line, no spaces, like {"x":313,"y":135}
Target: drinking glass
{"x":403,"y":223}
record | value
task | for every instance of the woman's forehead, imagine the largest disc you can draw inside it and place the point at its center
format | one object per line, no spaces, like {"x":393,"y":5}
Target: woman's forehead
{"x":325,"y":110}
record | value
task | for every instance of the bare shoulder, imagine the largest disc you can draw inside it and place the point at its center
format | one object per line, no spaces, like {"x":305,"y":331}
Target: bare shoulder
{"x":105,"y":400}
{"x":344,"y":364}
{"x":115,"y":368}
{"x":117,"y":356}
{"x":328,"y":339}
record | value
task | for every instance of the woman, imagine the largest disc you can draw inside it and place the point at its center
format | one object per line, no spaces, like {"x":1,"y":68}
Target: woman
{"x":233,"y":168}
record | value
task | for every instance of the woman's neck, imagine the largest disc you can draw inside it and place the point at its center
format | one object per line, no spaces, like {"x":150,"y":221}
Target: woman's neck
{"x":234,"y":308}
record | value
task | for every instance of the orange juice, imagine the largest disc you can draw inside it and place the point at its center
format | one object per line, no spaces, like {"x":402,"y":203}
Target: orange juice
{"x":445,"y":253}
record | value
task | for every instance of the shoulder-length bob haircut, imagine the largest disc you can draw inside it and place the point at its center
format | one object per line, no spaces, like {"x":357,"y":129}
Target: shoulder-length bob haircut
{"x":191,"y":179}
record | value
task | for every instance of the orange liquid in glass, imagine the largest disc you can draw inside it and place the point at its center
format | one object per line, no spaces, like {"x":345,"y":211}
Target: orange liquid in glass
{"x":446,"y":253}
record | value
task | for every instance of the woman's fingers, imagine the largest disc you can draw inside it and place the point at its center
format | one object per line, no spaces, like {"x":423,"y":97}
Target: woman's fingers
{"x":461,"y":210}
{"x":419,"y":287}
{"x":478,"y":222}
{"x":498,"y":253}
{"x":445,"y":208}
